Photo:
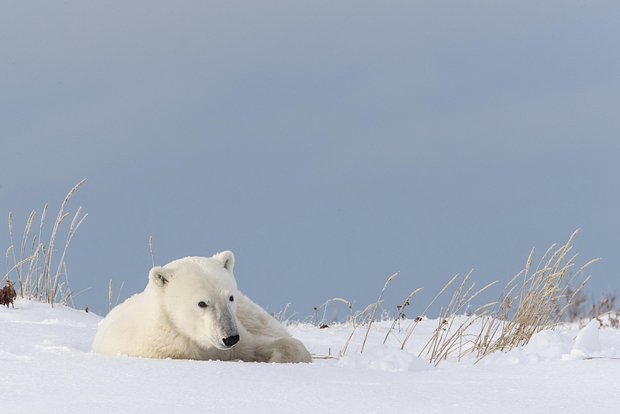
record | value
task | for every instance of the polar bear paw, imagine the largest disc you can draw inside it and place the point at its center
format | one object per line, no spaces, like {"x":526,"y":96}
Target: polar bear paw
{"x":283,"y":350}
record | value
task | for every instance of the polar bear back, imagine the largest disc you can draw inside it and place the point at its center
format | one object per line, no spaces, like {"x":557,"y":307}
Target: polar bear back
{"x":257,"y":321}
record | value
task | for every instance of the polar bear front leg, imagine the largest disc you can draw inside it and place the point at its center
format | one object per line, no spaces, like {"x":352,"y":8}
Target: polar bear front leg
{"x":283,"y":350}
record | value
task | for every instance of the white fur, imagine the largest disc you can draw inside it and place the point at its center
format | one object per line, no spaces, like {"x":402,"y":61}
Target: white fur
{"x":165,"y":321}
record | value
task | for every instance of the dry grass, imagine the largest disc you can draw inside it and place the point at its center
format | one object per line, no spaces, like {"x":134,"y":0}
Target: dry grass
{"x":40,"y":276}
{"x":450,"y":334}
{"x":533,"y":300}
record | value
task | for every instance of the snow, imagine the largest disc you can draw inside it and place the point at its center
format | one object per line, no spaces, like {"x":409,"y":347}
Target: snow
{"x":47,"y":367}
{"x":587,"y":341}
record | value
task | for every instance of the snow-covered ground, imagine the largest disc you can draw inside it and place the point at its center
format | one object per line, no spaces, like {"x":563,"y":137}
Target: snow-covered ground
{"x":46,"y":367}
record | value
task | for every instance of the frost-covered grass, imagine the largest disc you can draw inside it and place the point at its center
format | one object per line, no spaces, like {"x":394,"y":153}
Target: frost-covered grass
{"x":47,"y":367}
{"x":34,"y":260}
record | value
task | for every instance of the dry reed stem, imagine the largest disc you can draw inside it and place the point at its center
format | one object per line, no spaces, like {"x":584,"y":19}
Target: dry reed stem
{"x":6,"y":258}
{"x":42,"y":248}
{"x":401,"y":312}
{"x":22,"y":249}
{"x":15,"y":267}
{"x":110,"y":295}
{"x":374,"y":311}
{"x":19,"y":276}
{"x":118,"y":296}
{"x":151,"y":250}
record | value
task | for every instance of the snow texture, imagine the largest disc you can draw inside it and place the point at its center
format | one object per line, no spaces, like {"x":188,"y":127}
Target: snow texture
{"x":47,"y":367}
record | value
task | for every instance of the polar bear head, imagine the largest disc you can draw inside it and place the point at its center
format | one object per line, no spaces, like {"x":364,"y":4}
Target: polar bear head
{"x":199,"y":295}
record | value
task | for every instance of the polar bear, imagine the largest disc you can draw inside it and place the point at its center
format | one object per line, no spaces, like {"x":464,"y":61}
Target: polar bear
{"x":191,"y":309}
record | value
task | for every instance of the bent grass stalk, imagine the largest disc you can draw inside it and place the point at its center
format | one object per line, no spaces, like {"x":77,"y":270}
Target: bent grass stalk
{"x":401,"y":312}
{"x":324,"y":307}
{"x":374,"y":310}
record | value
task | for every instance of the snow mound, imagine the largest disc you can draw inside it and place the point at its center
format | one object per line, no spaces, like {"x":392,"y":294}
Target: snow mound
{"x":587,"y":342}
{"x":548,"y":344}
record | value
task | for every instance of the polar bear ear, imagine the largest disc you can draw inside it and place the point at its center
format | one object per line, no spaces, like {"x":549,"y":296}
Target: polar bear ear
{"x":160,"y":276}
{"x":227,"y":258}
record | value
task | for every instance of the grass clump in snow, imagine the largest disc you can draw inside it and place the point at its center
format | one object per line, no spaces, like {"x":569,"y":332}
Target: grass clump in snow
{"x":38,"y":273}
{"x":533,"y":300}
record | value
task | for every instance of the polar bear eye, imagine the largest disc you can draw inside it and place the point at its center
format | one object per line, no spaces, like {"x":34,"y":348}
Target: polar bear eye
{"x":231,"y":298}
{"x":202,"y":304}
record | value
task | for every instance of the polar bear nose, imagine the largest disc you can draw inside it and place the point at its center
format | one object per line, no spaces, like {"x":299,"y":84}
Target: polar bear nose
{"x":231,"y":340}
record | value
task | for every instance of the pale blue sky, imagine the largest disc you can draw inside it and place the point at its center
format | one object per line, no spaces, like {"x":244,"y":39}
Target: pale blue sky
{"x":327,"y":143}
